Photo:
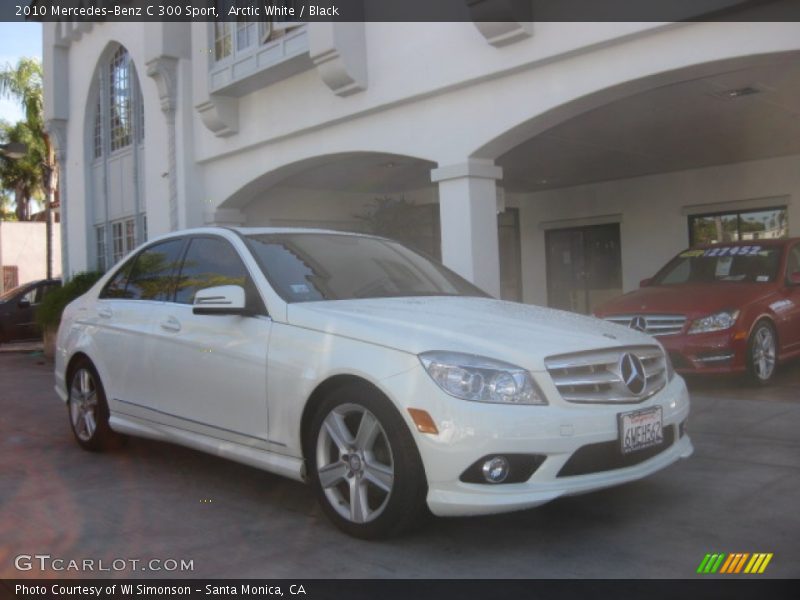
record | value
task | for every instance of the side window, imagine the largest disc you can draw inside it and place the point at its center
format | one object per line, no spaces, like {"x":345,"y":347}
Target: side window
{"x":793,"y":265}
{"x":151,"y":274}
{"x":115,"y":288}
{"x":31,"y":296}
{"x":210,"y":262}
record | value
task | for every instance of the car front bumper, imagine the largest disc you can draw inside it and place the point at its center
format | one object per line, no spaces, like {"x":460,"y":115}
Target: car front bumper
{"x":707,"y":353}
{"x":471,"y":431}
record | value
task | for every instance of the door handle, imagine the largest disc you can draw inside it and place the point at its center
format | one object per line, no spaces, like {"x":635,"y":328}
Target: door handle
{"x":171,"y":324}
{"x":105,"y":312}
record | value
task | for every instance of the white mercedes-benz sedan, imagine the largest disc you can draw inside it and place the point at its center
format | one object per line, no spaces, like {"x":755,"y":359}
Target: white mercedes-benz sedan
{"x":377,"y":375}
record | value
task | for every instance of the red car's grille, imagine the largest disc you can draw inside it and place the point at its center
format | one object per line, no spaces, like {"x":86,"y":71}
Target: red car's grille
{"x":651,"y":324}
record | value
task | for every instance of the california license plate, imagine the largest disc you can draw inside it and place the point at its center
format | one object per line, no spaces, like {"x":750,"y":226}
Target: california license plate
{"x":640,"y":429}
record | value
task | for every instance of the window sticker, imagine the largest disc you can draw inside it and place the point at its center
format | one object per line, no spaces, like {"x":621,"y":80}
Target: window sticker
{"x":723,"y":267}
{"x":762,"y":278}
{"x":733,"y":251}
{"x":299,"y":288}
{"x":692,"y":253}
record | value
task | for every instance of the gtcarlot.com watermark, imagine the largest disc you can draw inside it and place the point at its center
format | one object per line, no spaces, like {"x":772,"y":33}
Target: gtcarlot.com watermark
{"x":47,"y":562}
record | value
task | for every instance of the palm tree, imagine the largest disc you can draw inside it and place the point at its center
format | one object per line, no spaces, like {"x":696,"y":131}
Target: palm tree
{"x":28,"y":174}
{"x":23,"y":175}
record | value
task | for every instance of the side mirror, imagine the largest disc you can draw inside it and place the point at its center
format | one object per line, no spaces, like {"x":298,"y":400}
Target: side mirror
{"x":645,"y":282}
{"x":221,"y":300}
{"x":24,"y":303}
{"x":794,"y":278}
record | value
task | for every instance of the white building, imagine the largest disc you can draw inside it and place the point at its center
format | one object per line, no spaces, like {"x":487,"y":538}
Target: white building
{"x":553,"y":162}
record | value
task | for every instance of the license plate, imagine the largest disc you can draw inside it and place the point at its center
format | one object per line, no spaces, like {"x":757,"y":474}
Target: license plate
{"x":640,"y":429}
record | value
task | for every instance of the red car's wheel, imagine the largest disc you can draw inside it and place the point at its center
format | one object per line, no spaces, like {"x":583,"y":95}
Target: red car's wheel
{"x":762,"y":352}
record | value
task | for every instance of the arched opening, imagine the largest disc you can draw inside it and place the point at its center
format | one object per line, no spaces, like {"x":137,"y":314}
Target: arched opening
{"x":613,"y":184}
{"x":380,"y":193}
{"x":114,"y":149}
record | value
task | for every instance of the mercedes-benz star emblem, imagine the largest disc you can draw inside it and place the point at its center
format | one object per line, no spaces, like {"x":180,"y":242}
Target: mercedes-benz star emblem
{"x":638,"y":323}
{"x":632,"y":371}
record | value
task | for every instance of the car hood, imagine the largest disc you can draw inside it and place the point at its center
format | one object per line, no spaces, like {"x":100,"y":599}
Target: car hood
{"x":517,"y":333}
{"x":692,"y":300}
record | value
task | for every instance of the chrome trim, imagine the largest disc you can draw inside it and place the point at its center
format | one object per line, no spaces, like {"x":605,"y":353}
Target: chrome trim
{"x":654,"y":324}
{"x":718,"y":358}
{"x":595,"y":377}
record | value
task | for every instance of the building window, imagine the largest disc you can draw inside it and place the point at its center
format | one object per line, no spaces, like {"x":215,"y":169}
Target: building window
{"x":223,"y":36}
{"x":118,"y":241}
{"x":144,"y":228}
{"x":759,"y":224}
{"x":120,"y":99}
{"x":98,"y":130}
{"x":130,"y":235}
{"x":243,"y":35}
{"x":100,"y":232}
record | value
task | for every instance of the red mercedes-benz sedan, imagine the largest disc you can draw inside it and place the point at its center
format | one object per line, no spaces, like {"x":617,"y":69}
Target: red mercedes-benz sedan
{"x":727,"y":308}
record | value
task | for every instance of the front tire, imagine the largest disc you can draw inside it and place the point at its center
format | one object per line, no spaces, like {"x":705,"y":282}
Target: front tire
{"x":364,"y":465}
{"x":88,"y":410}
{"x":762,"y":353}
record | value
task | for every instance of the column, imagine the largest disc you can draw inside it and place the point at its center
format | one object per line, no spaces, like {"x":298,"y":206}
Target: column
{"x":468,"y":212}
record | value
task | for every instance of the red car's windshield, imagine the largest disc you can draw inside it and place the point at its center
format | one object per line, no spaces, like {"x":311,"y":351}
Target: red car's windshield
{"x":754,"y":264}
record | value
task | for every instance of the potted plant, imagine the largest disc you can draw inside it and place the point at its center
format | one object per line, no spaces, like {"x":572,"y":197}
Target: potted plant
{"x":48,"y":315}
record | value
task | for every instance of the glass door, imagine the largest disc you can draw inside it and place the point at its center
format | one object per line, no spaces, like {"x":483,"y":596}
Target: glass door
{"x":584,"y":266}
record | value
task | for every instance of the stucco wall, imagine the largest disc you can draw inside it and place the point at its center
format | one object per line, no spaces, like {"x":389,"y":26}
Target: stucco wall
{"x":653,"y":212}
{"x":23,"y":245}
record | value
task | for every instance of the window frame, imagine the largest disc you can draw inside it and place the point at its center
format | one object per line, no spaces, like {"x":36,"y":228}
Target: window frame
{"x":260,"y":308}
{"x":792,"y":252}
{"x":131,"y":261}
{"x":738,"y":213}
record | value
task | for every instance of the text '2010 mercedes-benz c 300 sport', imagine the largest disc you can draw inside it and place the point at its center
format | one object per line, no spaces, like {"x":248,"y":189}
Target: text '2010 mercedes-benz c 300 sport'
{"x":377,"y":375}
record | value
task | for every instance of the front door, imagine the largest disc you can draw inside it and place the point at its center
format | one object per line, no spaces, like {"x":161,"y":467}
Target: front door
{"x":210,"y":371}
{"x":791,"y":341}
{"x":584,"y":267}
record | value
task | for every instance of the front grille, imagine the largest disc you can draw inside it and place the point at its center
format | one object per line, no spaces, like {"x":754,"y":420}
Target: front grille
{"x":651,"y":324}
{"x":607,"y":456}
{"x":599,"y":376}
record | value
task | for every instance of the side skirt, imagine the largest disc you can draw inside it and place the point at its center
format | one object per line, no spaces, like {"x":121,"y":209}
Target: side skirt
{"x":286,"y":466}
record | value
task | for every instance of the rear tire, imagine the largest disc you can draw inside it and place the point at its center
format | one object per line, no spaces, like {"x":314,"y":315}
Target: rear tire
{"x":762,"y":353}
{"x":88,"y":410}
{"x":364,"y":464}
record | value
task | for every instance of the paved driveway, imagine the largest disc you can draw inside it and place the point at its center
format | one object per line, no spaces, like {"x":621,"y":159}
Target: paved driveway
{"x":739,"y":493}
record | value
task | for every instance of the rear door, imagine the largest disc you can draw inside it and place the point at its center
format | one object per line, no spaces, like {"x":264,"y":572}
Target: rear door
{"x":210,"y":371}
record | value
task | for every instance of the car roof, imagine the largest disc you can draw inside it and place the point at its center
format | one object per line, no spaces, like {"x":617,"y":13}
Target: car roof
{"x":276,"y":230}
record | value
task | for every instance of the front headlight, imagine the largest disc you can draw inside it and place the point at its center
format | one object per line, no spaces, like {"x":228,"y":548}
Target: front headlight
{"x":717,"y":322}
{"x":481,"y":379}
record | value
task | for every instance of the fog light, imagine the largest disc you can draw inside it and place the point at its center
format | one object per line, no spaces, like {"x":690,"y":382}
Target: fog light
{"x":495,"y":470}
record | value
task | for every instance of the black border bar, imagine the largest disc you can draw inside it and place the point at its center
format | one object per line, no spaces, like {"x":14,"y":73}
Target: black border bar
{"x":712,"y":588}
{"x":405,"y":10}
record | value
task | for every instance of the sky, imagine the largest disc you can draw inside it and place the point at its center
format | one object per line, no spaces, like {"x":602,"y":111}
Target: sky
{"x":17,"y":40}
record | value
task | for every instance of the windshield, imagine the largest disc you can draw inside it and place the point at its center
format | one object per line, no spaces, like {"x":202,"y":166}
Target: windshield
{"x":755,"y":264}
{"x":304,"y":267}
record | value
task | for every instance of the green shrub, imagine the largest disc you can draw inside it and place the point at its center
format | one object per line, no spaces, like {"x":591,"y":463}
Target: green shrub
{"x":48,"y":315}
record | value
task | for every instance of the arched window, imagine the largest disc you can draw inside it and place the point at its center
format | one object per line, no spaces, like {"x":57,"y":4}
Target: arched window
{"x":117,"y":163}
{"x":124,"y":107}
{"x":120,"y":99}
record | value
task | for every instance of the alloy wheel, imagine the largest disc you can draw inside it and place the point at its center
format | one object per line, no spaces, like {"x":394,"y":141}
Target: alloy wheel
{"x":763,"y":355}
{"x":83,"y":404}
{"x":355,"y":463}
